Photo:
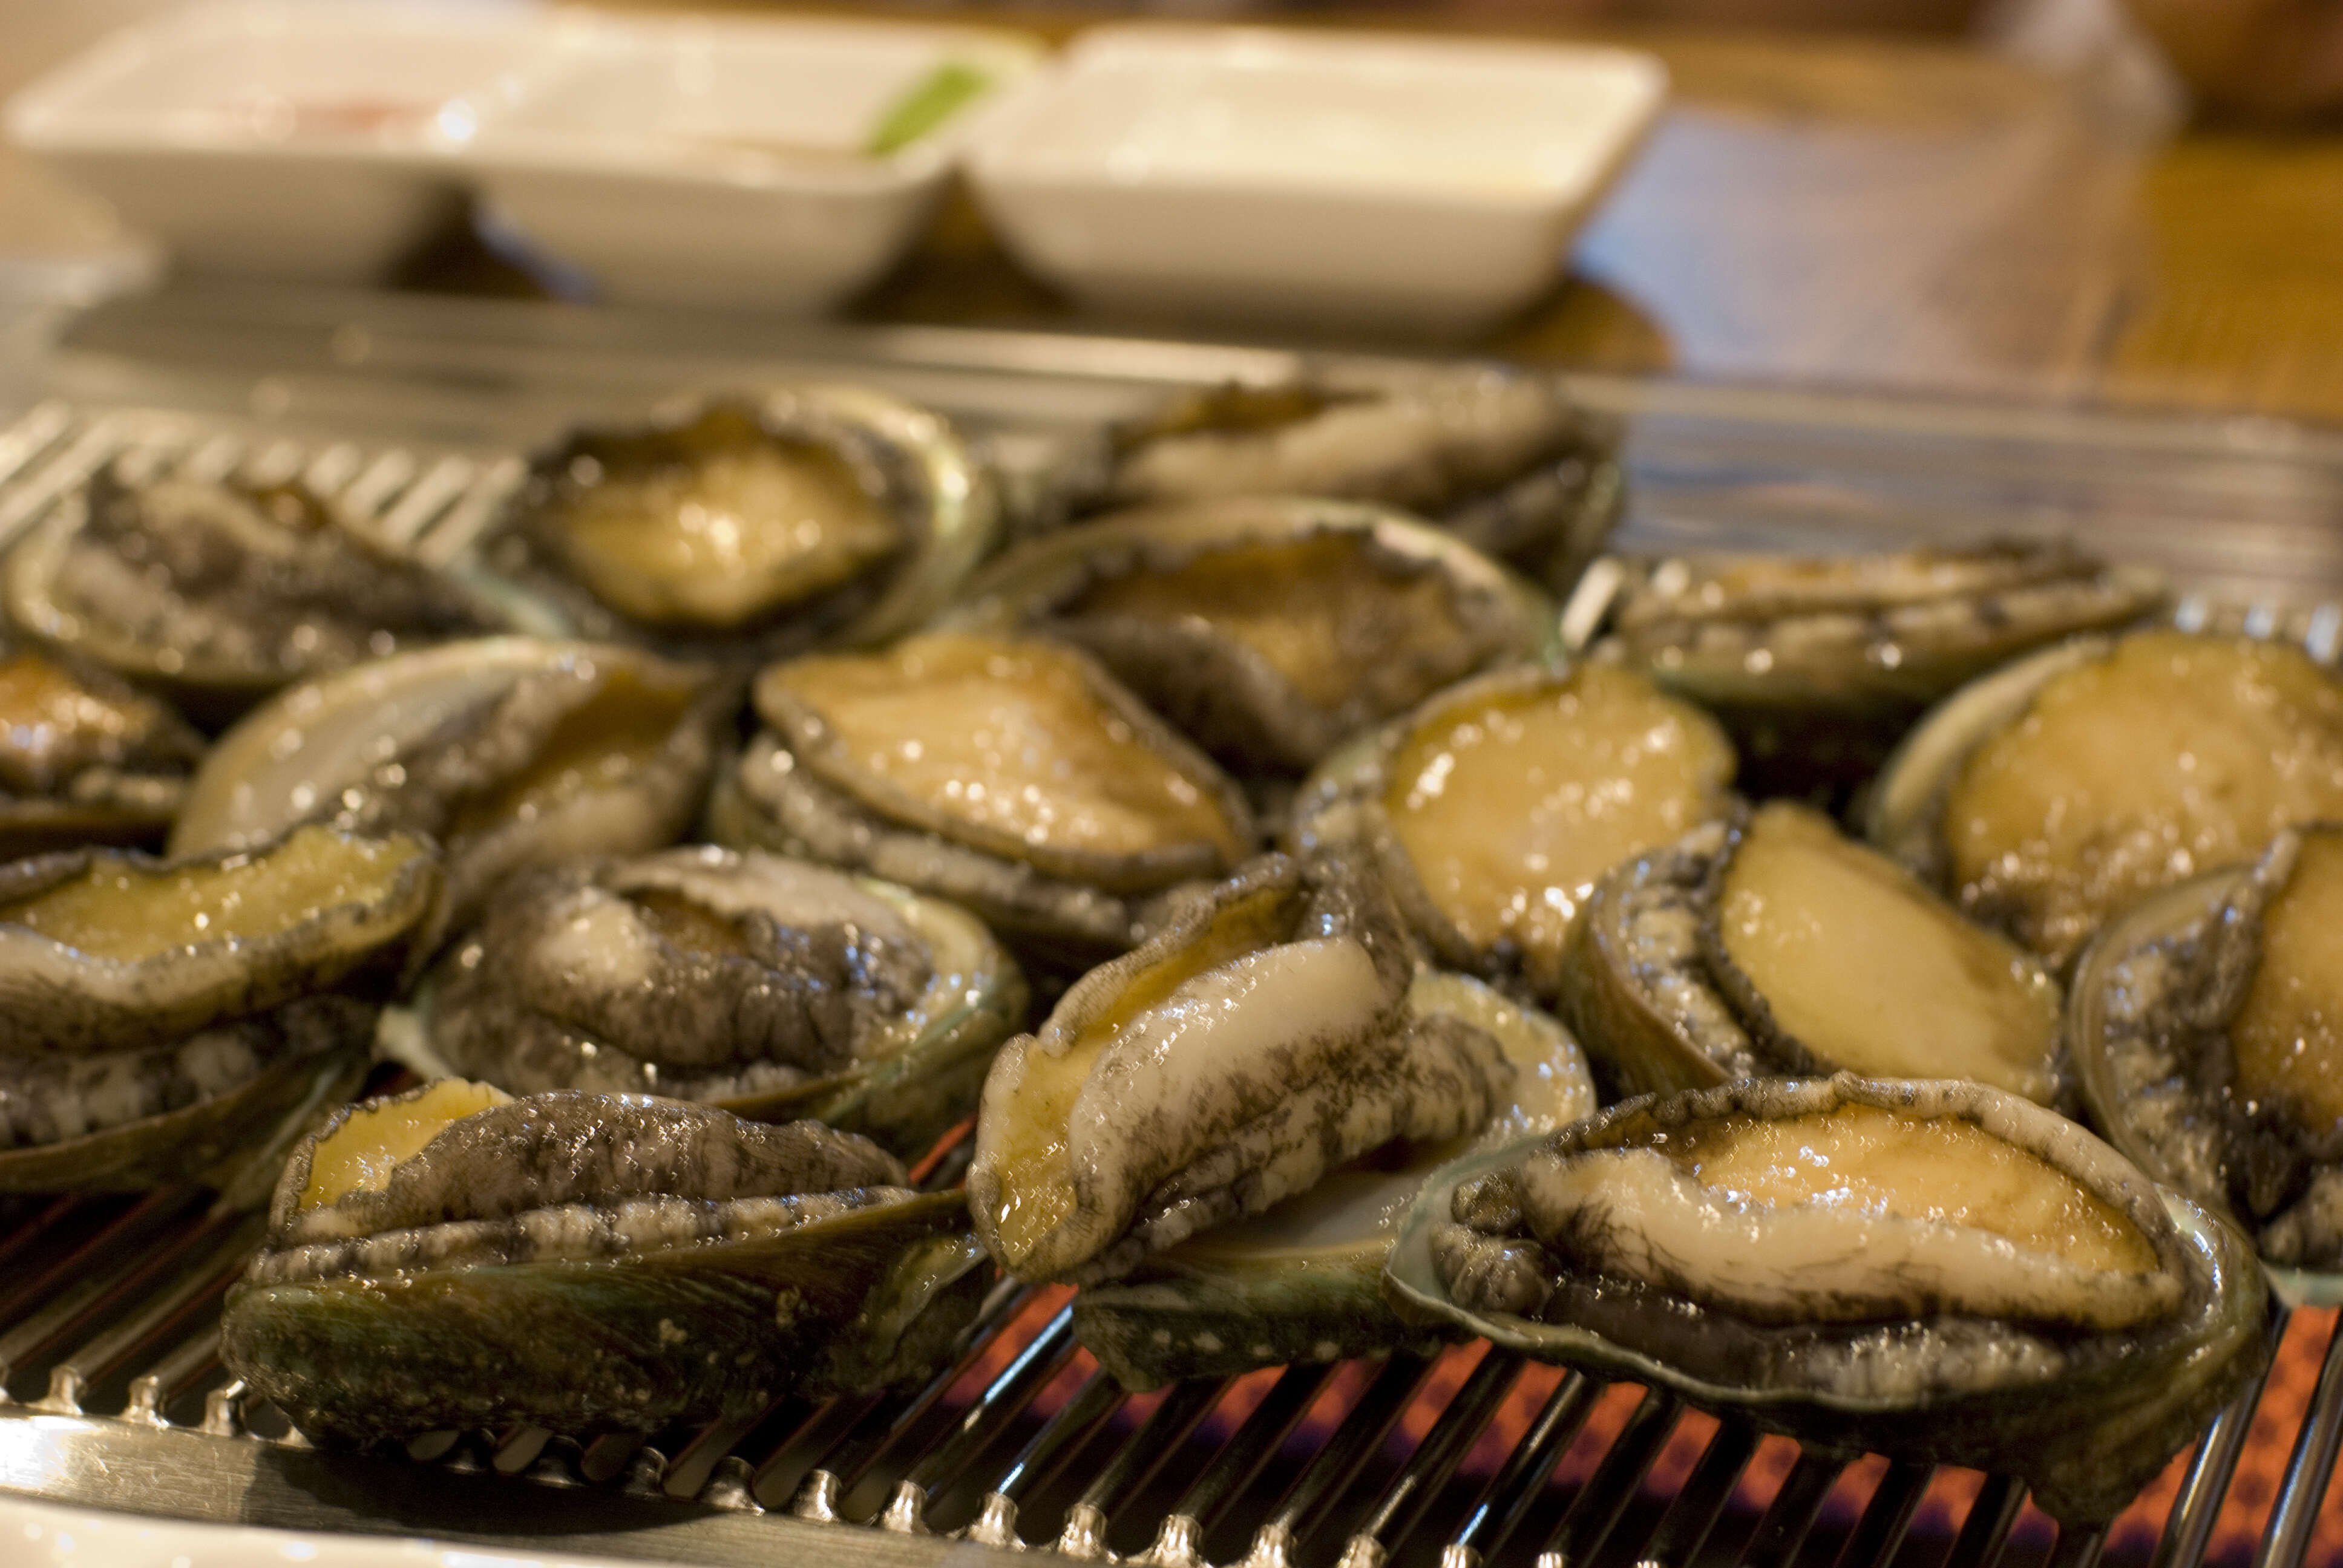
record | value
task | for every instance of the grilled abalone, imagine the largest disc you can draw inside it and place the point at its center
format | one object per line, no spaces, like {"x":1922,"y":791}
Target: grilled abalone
{"x":1503,"y":461}
{"x":1817,"y":665}
{"x":1303,"y":1282}
{"x":223,"y":592}
{"x":1938,"y":1271}
{"x":85,"y":758}
{"x":1260,"y":1040}
{"x":1011,"y":776}
{"x":1268,"y":630}
{"x":2204,"y":1038}
{"x":1769,"y":944}
{"x":154,"y":1014}
{"x":771,"y":987}
{"x":751,"y":526}
{"x":2053,"y":792}
{"x":453,"y":1258}
{"x":1493,"y":807}
{"x":509,"y":751}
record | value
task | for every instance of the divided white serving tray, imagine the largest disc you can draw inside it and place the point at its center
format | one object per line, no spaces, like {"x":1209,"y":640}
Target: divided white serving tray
{"x":705,"y":161}
{"x":1241,"y":173}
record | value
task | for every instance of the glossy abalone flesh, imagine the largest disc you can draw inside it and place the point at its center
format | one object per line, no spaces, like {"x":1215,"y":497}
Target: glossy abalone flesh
{"x":456,"y":1258}
{"x":1302,"y":1281}
{"x":153,"y":1013}
{"x":1263,"y":1038}
{"x":1493,"y":809}
{"x":85,"y":758}
{"x":1010,"y":775}
{"x":1768,"y":944}
{"x":749,"y":527}
{"x":2053,"y":792}
{"x":1933,"y":1271}
{"x":766,"y":985}
{"x":1267,"y":629}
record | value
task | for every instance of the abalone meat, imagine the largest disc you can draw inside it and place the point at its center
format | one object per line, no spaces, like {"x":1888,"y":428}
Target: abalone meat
{"x":1302,"y":1281}
{"x":2205,"y":1041}
{"x":1504,"y":461}
{"x":154,"y":1015}
{"x":1267,"y":629}
{"x":749,"y":527}
{"x":774,"y":987}
{"x":1819,"y":664}
{"x":1012,"y":776}
{"x":85,"y":758}
{"x":456,"y":1258}
{"x":1768,"y":944}
{"x":2053,"y":792}
{"x":222,"y":591}
{"x":1932,"y":1271}
{"x":1492,"y":807}
{"x":1260,"y":1040}
{"x":509,"y":751}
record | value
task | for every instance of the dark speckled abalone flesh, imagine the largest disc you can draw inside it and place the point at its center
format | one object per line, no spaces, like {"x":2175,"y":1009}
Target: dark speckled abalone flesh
{"x":699,"y":974}
{"x":1937,"y":1270}
{"x":457,"y":1258}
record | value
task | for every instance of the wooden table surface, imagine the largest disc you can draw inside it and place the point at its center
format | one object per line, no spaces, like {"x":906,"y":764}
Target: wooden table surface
{"x":1917,"y":215}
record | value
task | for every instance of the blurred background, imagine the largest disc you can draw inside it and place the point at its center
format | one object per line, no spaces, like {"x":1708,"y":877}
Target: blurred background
{"x":2127,"y":202}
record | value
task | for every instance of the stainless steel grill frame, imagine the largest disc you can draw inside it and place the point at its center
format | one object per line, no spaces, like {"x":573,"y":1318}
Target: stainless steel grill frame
{"x":414,"y":412}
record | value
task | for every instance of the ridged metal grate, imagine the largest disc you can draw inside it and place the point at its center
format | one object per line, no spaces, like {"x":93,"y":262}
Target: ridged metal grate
{"x":116,"y":1396}
{"x":431,"y":505}
{"x":108,"y":1323}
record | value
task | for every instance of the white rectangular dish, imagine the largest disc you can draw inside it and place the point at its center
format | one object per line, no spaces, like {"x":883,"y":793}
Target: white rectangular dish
{"x":1258,"y":173}
{"x":740,"y":162}
{"x":298,"y":141}
{"x":745,"y":162}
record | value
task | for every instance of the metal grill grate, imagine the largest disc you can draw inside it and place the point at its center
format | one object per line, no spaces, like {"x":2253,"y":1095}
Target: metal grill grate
{"x":430,"y":506}
{"x":1472,"y":1457}
{"x":115,"y":1395}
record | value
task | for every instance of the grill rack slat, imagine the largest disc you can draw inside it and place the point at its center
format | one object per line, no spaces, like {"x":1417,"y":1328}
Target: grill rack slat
{"x":1790,"y":1517}
{"x":1511,"y":1492}
{"x":2310,"y":1467}
{"x":1680,"y":1533}
{"x":1409,"y":1497}
{"x":92,"y":1290}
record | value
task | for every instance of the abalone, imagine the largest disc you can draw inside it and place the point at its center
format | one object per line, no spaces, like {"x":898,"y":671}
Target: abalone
{"x":221,"y":592}
{"x":1504,"y":461}
{"x":85,"y":759}
{"x":1933,"y":1271}
{"x":2053,"y":792}
{"x":746,"y":526}
{"x":771,"y":987}
{"x":1493,"y":807}
{"x":1268,"y":630}
{"x":1302,"y":1281}
{"x":1260,"y":1040}
{"x":2204,"y":1039}
{"x":507,"y":751}
{"x":1817,"y":665}
{"x":1012,"y":776}
{"x":456,"y":1258}
{"x":1767,"y":943}
{"x":155,"y":1014}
